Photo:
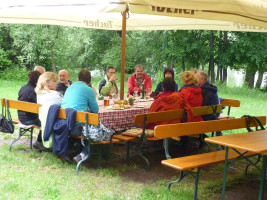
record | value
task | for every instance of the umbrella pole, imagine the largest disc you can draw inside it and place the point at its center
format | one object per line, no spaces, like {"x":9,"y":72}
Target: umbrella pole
{"x":123,"y":46}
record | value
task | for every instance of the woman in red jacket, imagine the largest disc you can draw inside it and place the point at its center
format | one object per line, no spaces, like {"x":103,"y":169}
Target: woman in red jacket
{"x":191,"y":91}
{"x":169,"y":99}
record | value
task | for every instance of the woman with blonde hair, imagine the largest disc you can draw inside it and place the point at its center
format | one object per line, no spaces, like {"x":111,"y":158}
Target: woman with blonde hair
{"x":46,"y":96}
{"x":46,"y":89}
{"x":191,"y":91}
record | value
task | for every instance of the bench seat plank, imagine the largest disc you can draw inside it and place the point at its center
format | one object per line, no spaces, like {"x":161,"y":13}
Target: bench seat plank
{"x":124,"y":137}
{"x":201,"y":160}
{"x":16,"y":121}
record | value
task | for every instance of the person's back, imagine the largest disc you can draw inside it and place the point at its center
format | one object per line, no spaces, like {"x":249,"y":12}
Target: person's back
{"x":191,"y":92}
{"x":80,"y":96}
{"x":27,"y":93}
{"x":168,"y":100}
{"x":209,"y":93}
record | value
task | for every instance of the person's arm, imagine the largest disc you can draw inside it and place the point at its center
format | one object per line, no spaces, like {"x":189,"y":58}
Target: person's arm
{"x":101,"y":84}
{"x":158,"y":89}
{"x":96,"y":95}
{"x":148,"y":84}
{"x":92,"y":103}
{"x":131,"y":85}
{"x":184,"y":94}
{"x":176,"y":87}
{"x":106,"y":88}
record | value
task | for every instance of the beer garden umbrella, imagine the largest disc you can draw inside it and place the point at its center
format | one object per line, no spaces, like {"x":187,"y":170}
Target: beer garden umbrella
{"x":227,"y":15}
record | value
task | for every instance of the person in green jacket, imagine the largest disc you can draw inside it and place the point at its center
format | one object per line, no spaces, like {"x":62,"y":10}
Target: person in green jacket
{"x":107,"y":86}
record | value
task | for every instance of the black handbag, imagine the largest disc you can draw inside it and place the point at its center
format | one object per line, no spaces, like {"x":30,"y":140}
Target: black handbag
{"x":6,"y":124}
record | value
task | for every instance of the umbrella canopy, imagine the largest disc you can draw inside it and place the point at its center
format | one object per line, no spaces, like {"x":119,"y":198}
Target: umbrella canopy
{"x":227,"y":15}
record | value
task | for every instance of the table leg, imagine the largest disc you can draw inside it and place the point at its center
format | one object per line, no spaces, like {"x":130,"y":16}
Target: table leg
{"x":263,"y":174}
{"x":225,"y":171}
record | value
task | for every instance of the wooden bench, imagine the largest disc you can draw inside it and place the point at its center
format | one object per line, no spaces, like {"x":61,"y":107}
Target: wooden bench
{"x":192,"y":164}
{"x":229,"y":103}
{"x":83,"y":117}
{"x":146,"y":118}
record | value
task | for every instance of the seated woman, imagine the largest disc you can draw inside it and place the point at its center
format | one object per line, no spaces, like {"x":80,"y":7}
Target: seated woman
{"x":191,"y":91}
{"x":167,"y":73}
{"x":46,"y":95}
{"x":169,"y":99}
{"x":27,"y":93}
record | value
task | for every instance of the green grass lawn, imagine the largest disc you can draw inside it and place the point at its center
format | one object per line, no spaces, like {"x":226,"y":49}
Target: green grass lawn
{"x":34,"y":175}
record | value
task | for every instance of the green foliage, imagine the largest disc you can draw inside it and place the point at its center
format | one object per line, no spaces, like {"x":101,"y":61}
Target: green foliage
{"x":4,"y":59}
{"x":57,"y":47}
{"x":14,"y":73}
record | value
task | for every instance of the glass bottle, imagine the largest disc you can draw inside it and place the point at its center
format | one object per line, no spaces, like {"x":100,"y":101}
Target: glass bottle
{"x":143,"y":91}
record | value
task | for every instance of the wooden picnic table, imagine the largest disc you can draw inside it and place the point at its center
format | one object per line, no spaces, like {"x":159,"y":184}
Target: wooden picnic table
{"x":251,"y":142}
{"x":122,"y":119}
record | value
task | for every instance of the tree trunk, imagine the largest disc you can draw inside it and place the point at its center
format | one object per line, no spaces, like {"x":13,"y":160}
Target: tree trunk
{"x":211,"y":61}
{"x":225,"y":46}
{"x":53,"y":63}
{"x":219,"y":77}
{"x":259,"y":81}
{"x":224,"y":74}
{"x":250,"y":76}
{"x":183,"y":64}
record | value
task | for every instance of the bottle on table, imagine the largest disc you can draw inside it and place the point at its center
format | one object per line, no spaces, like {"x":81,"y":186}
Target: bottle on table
{"x":143,"y":91}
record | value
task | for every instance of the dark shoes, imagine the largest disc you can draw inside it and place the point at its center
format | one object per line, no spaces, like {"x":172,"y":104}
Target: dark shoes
{"x":77,"y":158}
{"x":65,"y":159}
{"x":40,"y":147}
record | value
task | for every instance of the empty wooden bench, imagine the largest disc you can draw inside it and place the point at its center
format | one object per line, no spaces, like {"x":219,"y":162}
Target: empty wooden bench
{"x":229,"y":103}
{"x":83,"y":117}
{"x":154,"y":117}
{"x":192,"y":164}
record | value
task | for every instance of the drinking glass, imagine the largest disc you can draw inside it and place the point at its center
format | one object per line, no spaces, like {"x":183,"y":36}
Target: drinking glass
{"x":148,"y":92}
{"x":135,"y":92}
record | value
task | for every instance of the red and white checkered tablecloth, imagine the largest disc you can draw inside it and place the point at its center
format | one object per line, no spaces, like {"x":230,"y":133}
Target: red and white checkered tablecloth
{"x":121,"y":119}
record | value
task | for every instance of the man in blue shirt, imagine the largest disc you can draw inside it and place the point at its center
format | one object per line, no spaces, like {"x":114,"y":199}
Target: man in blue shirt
{"x":80,"y":96}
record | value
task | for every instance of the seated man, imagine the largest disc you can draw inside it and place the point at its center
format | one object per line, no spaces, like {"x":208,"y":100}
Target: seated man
{"x":27,"y":93}
{"x":169,"y":99}
{"x":107,"y":86}
{"x":209,"y":93}
{"x":64,"y":81}
{"x":39,"y":69}
{"x":137,"y":79}
{"x":80,"y":96}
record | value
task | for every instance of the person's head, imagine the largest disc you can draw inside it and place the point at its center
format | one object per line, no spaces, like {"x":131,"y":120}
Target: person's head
{"x":139,"y":71}
{"x":168,"y":84}
{"x":110,"y":71}
{"x":194,"y":70}
{"x":85,"y":76}
{"x":39,"y":69}
{"x":168,"y":72}
{"x":189,"y":78}
{"x":63,"y":76}
{"x":202,"y":77}
{"x":33,"y":76}
{"x":47,"y":81}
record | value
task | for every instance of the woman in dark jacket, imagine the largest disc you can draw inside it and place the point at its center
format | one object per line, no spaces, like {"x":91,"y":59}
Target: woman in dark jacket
{"x":167,"y":73}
